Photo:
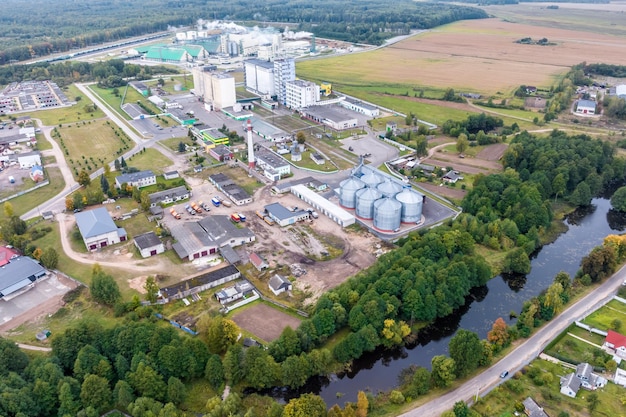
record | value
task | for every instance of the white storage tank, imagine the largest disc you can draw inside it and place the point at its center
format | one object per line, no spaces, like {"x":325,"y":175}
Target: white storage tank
{"x":347,"y":192}
{"x":371,"y":179}
{"x":387,"y":214}
{"x":365,"y":199}
{"x":412,"y":204}
{"x":389,"y":188}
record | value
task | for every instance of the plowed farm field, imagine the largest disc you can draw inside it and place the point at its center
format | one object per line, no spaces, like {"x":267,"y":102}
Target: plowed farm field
{"x":474,"y":55}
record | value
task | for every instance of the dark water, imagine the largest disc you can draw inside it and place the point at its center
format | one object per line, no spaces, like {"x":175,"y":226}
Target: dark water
{"x":379,"y":370}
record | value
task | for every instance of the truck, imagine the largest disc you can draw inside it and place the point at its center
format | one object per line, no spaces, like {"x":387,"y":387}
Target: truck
{"x":174,"y":213}
{"x":195,"y":207}
{"x":216,"y":201}
{"x":242,"y":217}
{"x":235,"y":217}
{"x":190,"y":210}
{"x":260,"y":214}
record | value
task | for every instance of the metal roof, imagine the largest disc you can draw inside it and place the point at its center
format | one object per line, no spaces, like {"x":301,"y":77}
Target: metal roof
{"x":279,"y":211}
{"x":134,"y":176}
{"x":333,"y":210}
{"x":147,"y":240}
{"x":19,"y":273}
{"x":95,"y":222}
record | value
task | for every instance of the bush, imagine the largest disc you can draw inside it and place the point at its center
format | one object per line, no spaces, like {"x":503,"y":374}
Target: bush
{"x":396,"y":397}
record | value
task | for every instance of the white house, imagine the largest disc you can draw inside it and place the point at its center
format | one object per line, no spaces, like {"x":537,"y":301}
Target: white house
{"x":136,"y":179}
{"x":149,"y":244}
{"x":583,"y":377}
{"x":615,"y":343}
{"x":29,"y":160}
{"x":586,"y":107}
{"x":279,"y":284}
{"x":98,"y":229}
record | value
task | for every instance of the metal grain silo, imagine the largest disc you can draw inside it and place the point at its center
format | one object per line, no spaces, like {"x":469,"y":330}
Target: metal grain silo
{"x":347,"y":192}
{"x":365,"y":198}
{"x":371,"y":179}
{"x":412,"y":203}
{"x":389,"y":188}
{"x":387,"y":214}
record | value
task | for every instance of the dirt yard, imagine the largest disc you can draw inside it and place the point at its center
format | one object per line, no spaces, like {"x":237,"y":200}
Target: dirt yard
{"x":493,"y":152}
{"x":264,"y":321}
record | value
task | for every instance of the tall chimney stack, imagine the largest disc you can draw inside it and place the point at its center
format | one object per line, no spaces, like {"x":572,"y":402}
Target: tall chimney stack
{"x":251,"y":161}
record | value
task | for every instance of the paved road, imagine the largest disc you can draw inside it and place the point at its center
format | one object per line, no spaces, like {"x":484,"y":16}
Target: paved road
{"x":523,"y":354}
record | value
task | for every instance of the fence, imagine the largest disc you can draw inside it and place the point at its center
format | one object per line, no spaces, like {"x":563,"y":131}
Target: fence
{"x":286,"y":307}
{"x":41,"y":184}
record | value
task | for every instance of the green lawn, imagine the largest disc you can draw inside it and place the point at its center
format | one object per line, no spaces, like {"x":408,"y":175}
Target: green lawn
{"x":603,"y":317}
{"x":172,"y":143}
{"x":42,"y":143}
{"x":90,"y":145}
{"x":72,"y":114}
{"x":572,"y":349}
{"x":186,"y":82}
{"x":30,"y":200}
{"x":149,"y":159}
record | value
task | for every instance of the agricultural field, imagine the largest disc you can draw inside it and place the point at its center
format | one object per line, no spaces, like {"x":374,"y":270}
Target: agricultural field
{"x":264,"y":321}
{"x":476,"y":55}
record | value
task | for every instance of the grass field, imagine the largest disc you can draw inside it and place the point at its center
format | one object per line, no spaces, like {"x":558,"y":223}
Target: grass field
{"x":150,"y":159}
{"x":603,"y":317}
{"x":72,"y":114}
{"x":91,"y":145}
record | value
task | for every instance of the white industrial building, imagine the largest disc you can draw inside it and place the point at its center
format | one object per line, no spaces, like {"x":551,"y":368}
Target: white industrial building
{"x":98,"y":229}
{"x":149,"y":244}
{"x":334,"y":116}
{"x":216,"y":88}
{"x":301,"y":94}
{"x":259,"y":77}
{"x":360,"y":107}
{"x":334,"y":212}
{"x":136,"y":179}
{"x":29,"y":160}
{"x":284,"y":71}
{"x":283,"y":216}
{"x":273,"y":165}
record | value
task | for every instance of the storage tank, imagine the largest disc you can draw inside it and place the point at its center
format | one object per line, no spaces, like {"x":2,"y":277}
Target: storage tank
{"x":389,"y":188}
{"x":371,"y":180}
{"x":387,"y":214}
{"x":412,"y":203}
{"x":347,"y":192}
{"x":365,"y":198}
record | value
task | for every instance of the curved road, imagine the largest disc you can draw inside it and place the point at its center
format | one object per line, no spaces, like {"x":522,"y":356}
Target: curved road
{"x":483,"y":383}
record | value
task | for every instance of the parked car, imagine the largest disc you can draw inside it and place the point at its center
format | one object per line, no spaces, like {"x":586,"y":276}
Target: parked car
{"x":504,"y":374}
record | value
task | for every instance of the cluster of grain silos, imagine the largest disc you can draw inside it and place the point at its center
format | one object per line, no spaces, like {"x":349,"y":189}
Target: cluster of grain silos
{"x":381,"y":199}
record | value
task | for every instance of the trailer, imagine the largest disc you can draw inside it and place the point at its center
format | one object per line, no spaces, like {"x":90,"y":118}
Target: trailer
{"x":195,"y":207}
{"x":226,"y":203}
{"x":216,"y":202}
{"x":267,"y":220}
{"x":261,"y":214}
{"x":235,"y":217}
{"x":174,"y":213}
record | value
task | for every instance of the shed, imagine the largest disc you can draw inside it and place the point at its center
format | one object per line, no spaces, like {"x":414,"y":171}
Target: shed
{"x":258,"y":262}
{"x":279,"y":284}
{"x":149,"y":244}
{"x":586,"y":107}
{"x":47,"y":215}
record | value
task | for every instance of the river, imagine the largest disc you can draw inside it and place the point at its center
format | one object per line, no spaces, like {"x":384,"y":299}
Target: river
{"x":379,"y":370}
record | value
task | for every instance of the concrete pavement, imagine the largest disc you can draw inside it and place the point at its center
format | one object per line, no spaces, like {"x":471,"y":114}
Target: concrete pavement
{"x":484,"y":382}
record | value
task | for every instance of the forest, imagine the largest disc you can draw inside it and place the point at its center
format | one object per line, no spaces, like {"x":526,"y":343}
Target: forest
{"x":50,"y":27}
{"x":138,"y":365}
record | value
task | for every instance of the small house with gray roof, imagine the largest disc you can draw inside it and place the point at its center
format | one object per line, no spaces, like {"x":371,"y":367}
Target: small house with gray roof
{"x":279,"y":284}
{"x":284,"y":217}
{"x":98,"y":229}
{"x":149,"y":244}
{"x":166,"y":197}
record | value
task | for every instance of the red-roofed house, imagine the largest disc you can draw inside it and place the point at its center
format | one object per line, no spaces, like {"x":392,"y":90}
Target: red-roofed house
{"x":258,"y":262}
{"x":616,"y":342}
{"x":6,"y":254}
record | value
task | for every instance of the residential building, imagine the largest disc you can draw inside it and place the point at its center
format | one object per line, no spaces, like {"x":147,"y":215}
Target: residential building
{"x":202,"y":238}
{"x":149,"y":244}
{"x":19,"y":275}
{"x":360,"y":107}
{"x":570,"y":385}
{"x":36,"y":173}
{"x":284,"y":71}
{"x":583,"y":377}
{"x":586,"y":107}
{"x":98,"y":229}
{"x":620,"y":91}
{"x":215,"y":88}
{"x":301,"y":94}
{"x":451,"y":177}
{"x":259,"y":77}
{"x":239,"y":290}
{"x":616,"y":343}
{"x":7,"y":254}
{"x":283,"y":216}
{"x":136,"y":179}
{"x":273,"y":165}
{"x":279,"y":284}
{"x":169,"y":196}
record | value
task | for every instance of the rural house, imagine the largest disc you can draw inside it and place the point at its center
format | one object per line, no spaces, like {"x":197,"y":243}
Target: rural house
{"x":149,"y":244}
{"x":532,"y":409}
{"x":258,"y":262}
{"x":452,"y":177}
{"x":279,"y":284}
{"x":98,"y":229}
{"x":169,"y":196}
{"x":586,"y":107}
{"x":583,"y":377}
{"x":615,"y":343}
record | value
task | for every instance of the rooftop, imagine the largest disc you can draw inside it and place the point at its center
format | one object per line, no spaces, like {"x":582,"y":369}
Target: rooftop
{"x":13,"y":275}
{"x":279,"y":211}
{"x":332,"y":112}
{"x":260,"y":63}
{"x":199,"y":280}
{"x":95,"y":222}
{"x":133,"y":177}
{"x":147,"y":240}
{"x":270,"y":158}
